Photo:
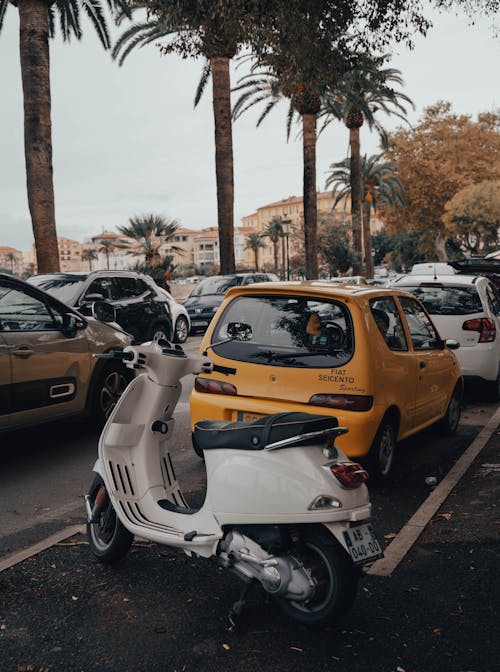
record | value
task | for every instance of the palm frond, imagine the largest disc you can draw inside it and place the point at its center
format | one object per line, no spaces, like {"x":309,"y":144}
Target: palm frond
{"x":137,"y":34}
{"x":205,"y":76}
{"x":69,"y":19}
{"x":93,"y":9}
{"x":3,"y":9}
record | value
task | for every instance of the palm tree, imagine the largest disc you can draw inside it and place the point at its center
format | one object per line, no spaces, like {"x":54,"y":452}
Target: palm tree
{"x":199,"y":29}
{"x":107,"y":247}
{"x":274,"y":231}
{"x":11,"y":257}
{"x":378,"y":180}
{"x":359,"y":95}
{"x":36,"y":25}
{"x":304,"y":102}
{"x":255,"y":243}
{"x":147,"y":233}
{"x":90,"y":255}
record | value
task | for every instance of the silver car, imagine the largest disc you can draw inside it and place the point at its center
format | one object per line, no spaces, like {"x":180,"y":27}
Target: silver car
{"x":47,"y":367}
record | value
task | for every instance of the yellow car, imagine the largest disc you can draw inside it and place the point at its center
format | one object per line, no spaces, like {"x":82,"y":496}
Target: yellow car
{"x":369,"y":356}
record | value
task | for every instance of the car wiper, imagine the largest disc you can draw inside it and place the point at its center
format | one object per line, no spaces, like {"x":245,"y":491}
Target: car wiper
{"x":283,"y":356}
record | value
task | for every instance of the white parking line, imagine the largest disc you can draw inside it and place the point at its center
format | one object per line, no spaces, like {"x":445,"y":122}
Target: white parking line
{"x":409,"y":534}
{"x":20,"y":556}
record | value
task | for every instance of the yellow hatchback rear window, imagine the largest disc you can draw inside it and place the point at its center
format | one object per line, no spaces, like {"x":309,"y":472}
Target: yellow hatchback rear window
{"x":287,"y":330}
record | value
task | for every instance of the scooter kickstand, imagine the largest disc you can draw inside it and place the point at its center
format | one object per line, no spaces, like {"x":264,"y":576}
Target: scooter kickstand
{"x":237,"y":608}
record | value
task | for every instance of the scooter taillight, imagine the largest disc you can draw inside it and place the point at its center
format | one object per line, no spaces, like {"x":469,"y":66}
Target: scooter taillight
{"x":484,"y":325}
{"x":214,"y":386}
{"x":349,"y":474}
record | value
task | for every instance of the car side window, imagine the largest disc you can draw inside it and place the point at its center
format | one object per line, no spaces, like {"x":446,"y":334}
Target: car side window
{"x":20,"y":311}
{"x":423,"y":333}
{"x":493,"y":299}
{"x":127,"y":288}
{"x":388,"y":320}
{"x":141,"y":287}
{"x":103,"y":286}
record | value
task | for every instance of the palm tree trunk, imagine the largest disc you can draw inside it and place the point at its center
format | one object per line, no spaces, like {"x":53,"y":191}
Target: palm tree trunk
{"x":367,"y":241}
{"x":275,"y":252}
{"x":367,"y":238}
{"x":256,"y":256}
{"x":224,"y":161}
{"x":356,"y":201}
{"x":35,"y":71}
{"x":283,"y":256}
{"x":310,"y":204}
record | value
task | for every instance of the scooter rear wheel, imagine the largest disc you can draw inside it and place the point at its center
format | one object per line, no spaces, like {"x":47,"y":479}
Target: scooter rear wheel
{"x":335,"y":576}
{"x":108,"y":539}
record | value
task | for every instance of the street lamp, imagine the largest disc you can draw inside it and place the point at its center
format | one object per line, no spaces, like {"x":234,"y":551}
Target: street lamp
{"x":285,"y":225}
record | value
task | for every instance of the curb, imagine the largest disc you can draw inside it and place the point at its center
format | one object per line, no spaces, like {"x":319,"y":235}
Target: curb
{"x":411,"y":531}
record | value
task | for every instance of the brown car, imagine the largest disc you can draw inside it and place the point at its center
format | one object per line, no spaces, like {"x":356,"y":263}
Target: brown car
{"x":47,"y":367}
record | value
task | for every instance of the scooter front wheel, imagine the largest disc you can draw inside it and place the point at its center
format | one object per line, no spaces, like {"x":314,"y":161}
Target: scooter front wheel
{"x":334,"y":574}
{"x":108,"y":539}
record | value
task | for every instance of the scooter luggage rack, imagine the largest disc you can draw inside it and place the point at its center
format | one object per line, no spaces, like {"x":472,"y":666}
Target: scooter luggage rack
{"x":309,"y":437}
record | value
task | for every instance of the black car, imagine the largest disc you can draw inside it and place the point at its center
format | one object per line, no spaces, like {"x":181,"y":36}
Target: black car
{"x":140,"y":306}
{"x":204,"y":300}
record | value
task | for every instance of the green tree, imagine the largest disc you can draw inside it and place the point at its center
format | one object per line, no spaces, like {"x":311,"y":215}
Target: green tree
{"x":335,"y":247}
{"x":438,"y":157}
{"x":90,"y":255}
{"x":255,"y":243}
{"x":364,"y":90}
{"x":214,"y":30}
{"x":380,"y":185}
{"x":274,"y":231}
{"x":159,"y":270}
{"x":473,"y":216}
{"x":37,"y":19}
{"x":383,"y":244}
{"x":147,"y":233}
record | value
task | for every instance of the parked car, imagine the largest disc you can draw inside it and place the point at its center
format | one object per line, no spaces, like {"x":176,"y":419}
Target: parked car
{"x":467,"y":309}
{"x":207,"y":296}
{"x":141,"y":306}
{"x":47,"y":368}
{"x":180,"y":316}
{"x":317,"y":347}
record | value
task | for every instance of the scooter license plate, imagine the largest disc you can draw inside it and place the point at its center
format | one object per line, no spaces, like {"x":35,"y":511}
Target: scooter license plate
{"x":362,"y":543}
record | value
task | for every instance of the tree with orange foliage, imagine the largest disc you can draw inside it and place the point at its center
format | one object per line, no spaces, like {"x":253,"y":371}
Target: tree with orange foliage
{"x":436,"y":159}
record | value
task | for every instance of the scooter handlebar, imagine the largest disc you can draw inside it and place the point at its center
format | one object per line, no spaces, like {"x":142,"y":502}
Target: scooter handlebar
{"x":116,"y":354}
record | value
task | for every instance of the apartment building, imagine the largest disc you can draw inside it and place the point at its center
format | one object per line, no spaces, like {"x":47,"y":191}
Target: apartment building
{"x":11,"y":260}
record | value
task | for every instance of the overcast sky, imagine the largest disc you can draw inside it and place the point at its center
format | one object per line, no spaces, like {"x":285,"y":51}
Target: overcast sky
{"x":128,"y":140}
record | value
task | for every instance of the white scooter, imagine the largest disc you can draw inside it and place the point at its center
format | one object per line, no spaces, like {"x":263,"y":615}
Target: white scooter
{"x":284,"y":507}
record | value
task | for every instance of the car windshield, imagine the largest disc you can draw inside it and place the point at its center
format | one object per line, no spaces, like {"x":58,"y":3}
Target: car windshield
{"x":442,"y":300}
{"x":217,"y":285}
{"x":288,"y":330}
{"x":66,"y":287}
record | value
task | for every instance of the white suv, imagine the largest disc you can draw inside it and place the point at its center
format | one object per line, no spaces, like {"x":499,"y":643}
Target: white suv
{"x":465,"y":308}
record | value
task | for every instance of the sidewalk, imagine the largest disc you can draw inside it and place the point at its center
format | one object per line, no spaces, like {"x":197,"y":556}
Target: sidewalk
{"x":163,"y":612}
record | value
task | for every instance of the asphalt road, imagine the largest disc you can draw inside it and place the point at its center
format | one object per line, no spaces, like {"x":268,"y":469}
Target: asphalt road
{"x":162,"y":612}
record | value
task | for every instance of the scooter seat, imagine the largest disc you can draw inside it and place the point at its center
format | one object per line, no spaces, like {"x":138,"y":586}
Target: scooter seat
{"x":256,"y":435}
